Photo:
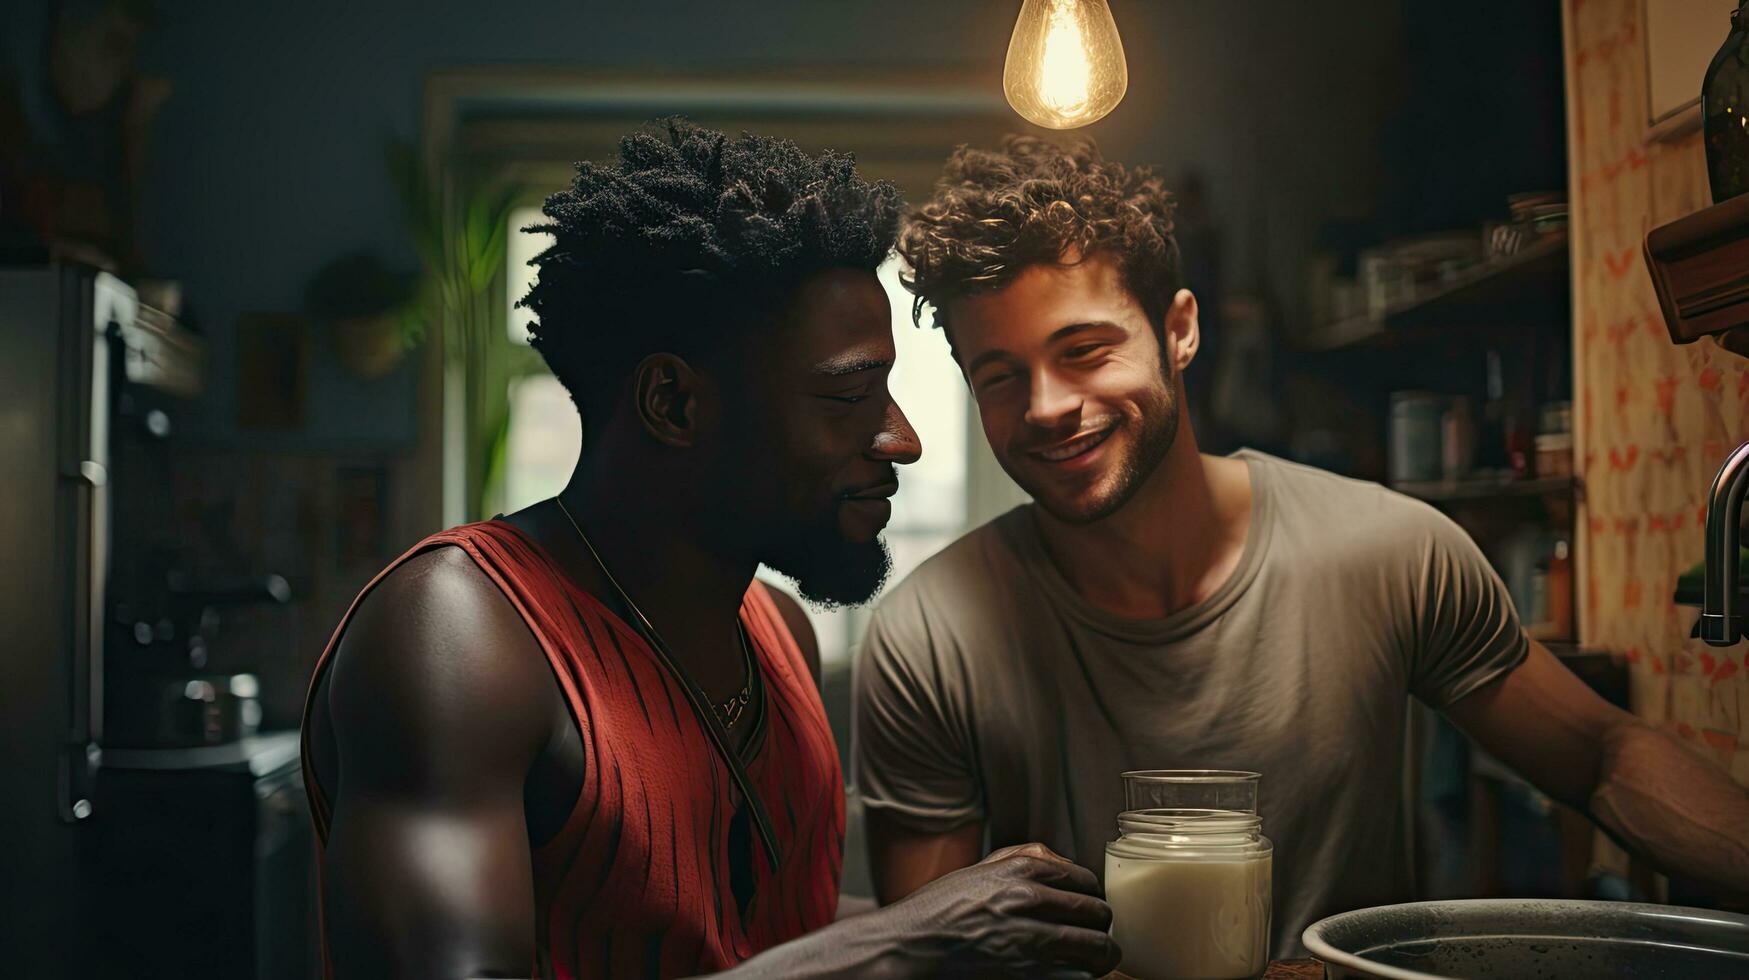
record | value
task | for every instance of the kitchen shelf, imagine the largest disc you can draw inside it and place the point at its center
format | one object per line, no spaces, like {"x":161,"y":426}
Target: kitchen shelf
{"x":1445,"y":491}
{"x":1697,"y":264}
{"x":1569,"y":650}
{"x":1538,"y":273}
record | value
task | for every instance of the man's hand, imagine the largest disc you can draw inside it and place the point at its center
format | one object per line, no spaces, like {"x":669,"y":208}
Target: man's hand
{"x":1021,"y":912}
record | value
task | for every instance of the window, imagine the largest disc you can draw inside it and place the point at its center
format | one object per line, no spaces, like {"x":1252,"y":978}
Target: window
{"x":929,"y":511}
{"x":519,"y":249}
{"x":544,"y":433}
{"x":541,"y":445}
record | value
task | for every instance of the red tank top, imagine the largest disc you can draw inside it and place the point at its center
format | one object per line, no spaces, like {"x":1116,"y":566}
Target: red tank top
{"x":637,"y":883}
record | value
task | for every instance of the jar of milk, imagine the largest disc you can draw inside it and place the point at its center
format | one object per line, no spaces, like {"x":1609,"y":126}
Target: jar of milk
{"x":1190,"y":894}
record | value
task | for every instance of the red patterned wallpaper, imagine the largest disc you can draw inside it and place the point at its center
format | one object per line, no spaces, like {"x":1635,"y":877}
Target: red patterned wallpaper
{"x":1655,"y":419}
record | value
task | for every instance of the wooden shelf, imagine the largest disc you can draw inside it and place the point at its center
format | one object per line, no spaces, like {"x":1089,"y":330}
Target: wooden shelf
{"x":1697,"y":265}
{"x":1569,"y":650}
{"x":1538,"y":273}
{"x":1445,"y":491}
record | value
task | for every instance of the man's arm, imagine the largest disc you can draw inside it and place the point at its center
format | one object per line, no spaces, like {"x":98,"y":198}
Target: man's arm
{"x":429,"y":872}
{"x":1644,"y":789}
{"x":921,"y":802}
{"x":427,"y":868}
{"x":903,"y":860}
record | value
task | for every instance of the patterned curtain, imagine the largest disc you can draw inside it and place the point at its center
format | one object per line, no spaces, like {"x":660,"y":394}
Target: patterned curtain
{"x":1655,"y":419}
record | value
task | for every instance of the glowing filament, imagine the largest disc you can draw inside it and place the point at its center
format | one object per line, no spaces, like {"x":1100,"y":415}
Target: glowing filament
{"x":1065,"y":63}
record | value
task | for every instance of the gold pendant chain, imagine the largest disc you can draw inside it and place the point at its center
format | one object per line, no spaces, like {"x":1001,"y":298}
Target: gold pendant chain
{"x":731,"y":712}
{"x":716,"y":726}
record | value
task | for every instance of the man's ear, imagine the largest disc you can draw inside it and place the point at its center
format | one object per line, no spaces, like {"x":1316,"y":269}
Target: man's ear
{"x":665,"y":392}
{"x":1183,"y":334}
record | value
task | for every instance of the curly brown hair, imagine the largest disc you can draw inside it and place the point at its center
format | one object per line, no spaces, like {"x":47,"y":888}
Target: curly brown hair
{"x":995,"y":213}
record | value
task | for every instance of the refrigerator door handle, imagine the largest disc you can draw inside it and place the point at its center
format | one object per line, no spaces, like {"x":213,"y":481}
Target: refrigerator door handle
{"x":86,"y":468}
{"x":91,"y":473}
{"x":80,"y":757}
{"x":78,"y":773}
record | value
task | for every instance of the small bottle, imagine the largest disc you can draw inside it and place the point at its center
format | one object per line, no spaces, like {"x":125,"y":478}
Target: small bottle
{"x":1558,"y":593}
{"x":1520,"y":449}
{"x":1190,"y":893}
{"x":1491,"y":449}
{"x":1725,"y":116}
{"x":1537,"y":616}
{"x":1457,"y":440}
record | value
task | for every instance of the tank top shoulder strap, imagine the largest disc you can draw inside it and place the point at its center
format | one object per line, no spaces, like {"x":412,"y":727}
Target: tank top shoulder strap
{"x":509,"y":560}
{"x":771,"y":633}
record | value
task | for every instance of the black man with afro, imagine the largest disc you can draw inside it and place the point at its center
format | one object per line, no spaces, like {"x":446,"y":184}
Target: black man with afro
{"x":581,"y":740}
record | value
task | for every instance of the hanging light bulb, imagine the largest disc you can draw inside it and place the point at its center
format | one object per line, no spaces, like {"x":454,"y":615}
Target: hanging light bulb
{"x":1065,"y":63}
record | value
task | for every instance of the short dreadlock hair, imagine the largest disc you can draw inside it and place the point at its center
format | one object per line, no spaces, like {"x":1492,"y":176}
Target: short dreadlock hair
{"x":995,"y":213}
{"x":691,"y":240}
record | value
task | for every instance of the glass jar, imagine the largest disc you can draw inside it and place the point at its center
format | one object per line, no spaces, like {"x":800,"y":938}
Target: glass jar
{"x":1724,"y":99}
{"x":1190,"y":789}
{"x":1190,"y":894}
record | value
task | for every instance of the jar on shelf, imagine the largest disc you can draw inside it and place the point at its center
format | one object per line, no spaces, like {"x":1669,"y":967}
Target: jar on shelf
{"x":1554,"y":454}
{"x":1413,"y":431}
{"x":1190,"y":893}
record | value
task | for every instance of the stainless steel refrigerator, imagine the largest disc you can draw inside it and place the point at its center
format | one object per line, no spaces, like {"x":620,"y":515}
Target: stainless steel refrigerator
{"x":55,"y":364}
{"x":161,"y":854}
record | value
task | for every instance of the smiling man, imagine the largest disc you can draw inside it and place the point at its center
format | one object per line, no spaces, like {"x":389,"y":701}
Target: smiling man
{"x":1154,"y":607}
{"x":582,"y":740}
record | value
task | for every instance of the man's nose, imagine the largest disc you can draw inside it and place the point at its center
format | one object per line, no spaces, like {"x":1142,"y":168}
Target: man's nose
{"x":897,"y":442}
{"x":1049,"y":401}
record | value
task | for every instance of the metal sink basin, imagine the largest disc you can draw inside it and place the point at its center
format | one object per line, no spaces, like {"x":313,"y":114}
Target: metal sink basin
{"x":1531,"y":938}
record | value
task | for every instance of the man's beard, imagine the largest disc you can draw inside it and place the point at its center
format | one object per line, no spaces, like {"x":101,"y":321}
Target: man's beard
{"x":827,"y":570}
{"x":1155,"y":432}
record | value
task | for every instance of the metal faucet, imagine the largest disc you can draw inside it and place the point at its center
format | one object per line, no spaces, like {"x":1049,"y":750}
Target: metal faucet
{"x":1721,"y":611}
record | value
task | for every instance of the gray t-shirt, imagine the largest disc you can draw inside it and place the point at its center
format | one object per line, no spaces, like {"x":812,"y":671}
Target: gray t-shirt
{"x":989,"y":690}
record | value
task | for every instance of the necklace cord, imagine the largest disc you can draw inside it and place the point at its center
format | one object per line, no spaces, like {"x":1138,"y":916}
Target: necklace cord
{"x":701,"y":703}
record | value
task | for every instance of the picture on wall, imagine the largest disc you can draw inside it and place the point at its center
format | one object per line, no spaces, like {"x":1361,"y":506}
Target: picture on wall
{"x":273,"y":368}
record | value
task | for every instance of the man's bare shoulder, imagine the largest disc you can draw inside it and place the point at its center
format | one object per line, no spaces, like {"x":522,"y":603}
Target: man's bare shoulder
{"x":436,"y":657}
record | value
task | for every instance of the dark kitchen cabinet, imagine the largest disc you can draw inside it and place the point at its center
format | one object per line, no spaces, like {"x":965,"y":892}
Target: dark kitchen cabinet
{"x":202,"y":864}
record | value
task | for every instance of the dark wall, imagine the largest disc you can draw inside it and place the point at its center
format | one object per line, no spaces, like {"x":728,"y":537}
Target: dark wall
{"x":1482,"y":113}
{"x":267,"y":161}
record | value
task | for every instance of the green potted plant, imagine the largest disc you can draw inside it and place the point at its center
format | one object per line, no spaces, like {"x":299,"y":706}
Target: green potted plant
{"x":367,"y":304}
{"x":460,"y":232}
